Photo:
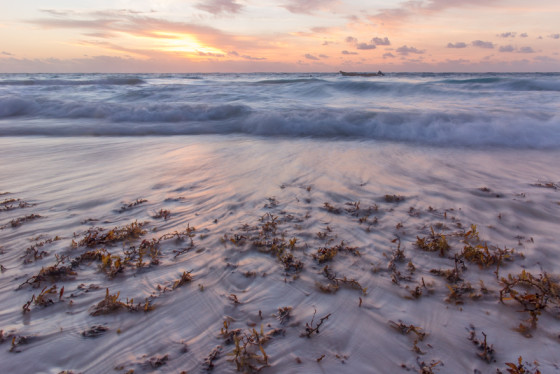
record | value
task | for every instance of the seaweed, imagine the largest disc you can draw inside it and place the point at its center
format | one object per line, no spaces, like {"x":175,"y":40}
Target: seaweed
{"x":16,"y":222}
{"x":481,"y":255}
{"x":310,"y":329}
{"x":521,"y":368}
{"x":291,"y":263}
{"x":272,"y":203}
{"x":284,"y":314}
{"x":427,"y":368}
{"x":8,"y":204}
{"x":335,"y":282}
{"x":94,"y":331}
{"x":407,"y":329}
{"x":111,"y":304}
{"x":131,"y":205}
{"x":213,"y":356}
{"x":486,"y":352}
{"x":186,"y":277}
{"x":328,"y":253}
{"x":52,"y":273}
{"x":533,"y":293}
{"x":96,"y":236}
{"x":157,"y":361}
{"x":394,"y":198}
{"x":162,"y":213}
{"x":89,"y":256}
{"x":452,"y":275}
{"x":433,"y":243}
{"x":246,"y":352}
{"x":551,"y":185}
{"x":331,"y":209}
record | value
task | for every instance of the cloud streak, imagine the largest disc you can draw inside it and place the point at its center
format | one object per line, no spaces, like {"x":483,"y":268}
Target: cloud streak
{"x":457,"y":45}
{"x":405,"y":50}
{"x":307,"y":6}
{"x":482,"y":44}
{"x":413,"y":8}
{"x":220,"y":6}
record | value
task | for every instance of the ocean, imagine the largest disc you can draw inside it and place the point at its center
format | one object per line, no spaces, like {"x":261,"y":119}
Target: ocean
{"x":289,"y":223}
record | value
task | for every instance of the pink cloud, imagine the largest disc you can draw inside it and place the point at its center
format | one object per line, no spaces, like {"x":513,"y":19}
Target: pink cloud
{"x":307,"y":6}
{"x":220,"y":6}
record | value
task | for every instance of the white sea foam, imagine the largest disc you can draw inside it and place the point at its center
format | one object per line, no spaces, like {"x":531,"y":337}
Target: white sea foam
{"x":503,"y":110}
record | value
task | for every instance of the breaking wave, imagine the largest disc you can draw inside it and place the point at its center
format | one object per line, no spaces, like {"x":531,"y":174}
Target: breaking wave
{"x":59,"y":118}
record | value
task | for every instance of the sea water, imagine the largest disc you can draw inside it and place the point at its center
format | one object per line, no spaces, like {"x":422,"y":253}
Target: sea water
{"x":366,"y":163}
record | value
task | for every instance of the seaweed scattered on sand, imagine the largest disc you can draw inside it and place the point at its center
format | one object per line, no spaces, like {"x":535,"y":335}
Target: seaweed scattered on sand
{"x":11,"y":204}
{"x":97,"y":236}
{"x":407,"y":329}
{"x":111,"y":304}
{"x":94,"y":331}
{"x":325,"y":254}
{"x":521,"y":368}
{"x":485,"y":351}
{"x":533,"y":293}
{"x":394,"y":198}
{"x":16,"y":222}
{"x":433,"y":243}
{"x":162,"y":213}
{"x":131,"y":205}
{"x":53,"y":273}
{"x":186,"y":277}
{"x":310,"y":328}
{"x":335,"y":283}
{"x":213,"y":356}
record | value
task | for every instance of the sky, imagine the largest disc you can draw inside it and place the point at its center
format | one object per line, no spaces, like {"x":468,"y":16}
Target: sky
{"x":279,"y":36}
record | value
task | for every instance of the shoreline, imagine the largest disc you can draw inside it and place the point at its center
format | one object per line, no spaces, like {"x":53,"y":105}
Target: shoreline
{"x":218,"y":262}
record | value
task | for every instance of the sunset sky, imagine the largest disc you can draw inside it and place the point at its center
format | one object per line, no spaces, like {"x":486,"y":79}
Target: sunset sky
{"x":279,"y":35}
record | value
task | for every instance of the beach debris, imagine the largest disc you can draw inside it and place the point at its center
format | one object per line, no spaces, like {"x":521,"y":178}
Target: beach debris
{"x":233,"y":298}
{"x":521,"y":368}
{"x":111,"y":304}
{"x":186,"y":277}
{"x":310,"y":329}
{"x":97,"y":236}
{"x":249,"y":355}
{"x":486,"y":352}
{"x":272,"y":203}
{"x":16,"y":222}
{"x":533,"y":293}
{"x":394,"y":198}
{"x":331,"y":209}
{"x":157,"y":361}
{"x":284,"y":314}
{"x":209,"y":360}
{"x":325,"y":254}
{"x":19,"y":340}
{"x":452,"y":275}
{"x":552,"y":185}
{"x":94,"y":331}
{"x":162,"y":213}
{"x":433,"y":243}
{"x":407,"y":329}
{"x":291,"y":263}
{"x":427,"y":368}
{"x":483,"y":256}
{"x":131,"y":205}
{"x":53,"y":273}
{"x":334,"y":282}
{"x":14,"y":203}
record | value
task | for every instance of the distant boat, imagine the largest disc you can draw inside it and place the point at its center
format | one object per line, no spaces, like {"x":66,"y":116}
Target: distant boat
{"x":352,"y":74}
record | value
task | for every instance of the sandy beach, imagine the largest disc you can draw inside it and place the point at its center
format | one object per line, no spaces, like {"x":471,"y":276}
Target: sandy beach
{"x":205,"y":253}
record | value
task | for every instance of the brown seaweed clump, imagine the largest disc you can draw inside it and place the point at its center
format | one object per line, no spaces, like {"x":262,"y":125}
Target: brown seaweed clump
{"x":111,"y":304}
